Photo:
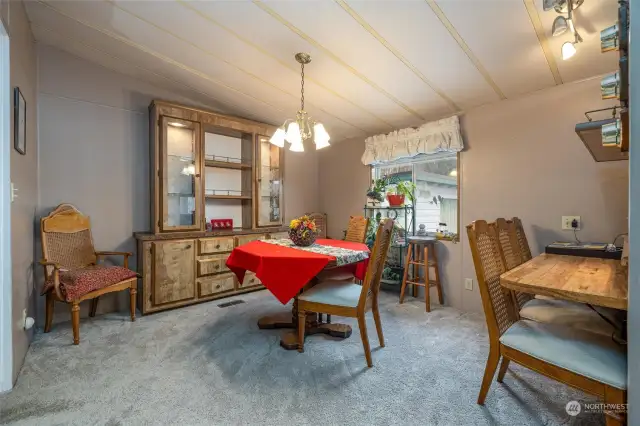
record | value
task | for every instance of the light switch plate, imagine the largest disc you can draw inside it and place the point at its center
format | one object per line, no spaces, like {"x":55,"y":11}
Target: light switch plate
{"x":468,"y":283}
{"x":566,"y":222}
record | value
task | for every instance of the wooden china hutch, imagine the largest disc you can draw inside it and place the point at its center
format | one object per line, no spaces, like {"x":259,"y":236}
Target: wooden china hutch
{"x":205,"y":166}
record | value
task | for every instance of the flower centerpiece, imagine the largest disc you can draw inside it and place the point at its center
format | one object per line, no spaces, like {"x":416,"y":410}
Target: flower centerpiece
{"x":303,"y":231}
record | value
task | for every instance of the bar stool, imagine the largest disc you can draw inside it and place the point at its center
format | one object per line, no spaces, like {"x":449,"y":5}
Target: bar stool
{"x":422,"y":254}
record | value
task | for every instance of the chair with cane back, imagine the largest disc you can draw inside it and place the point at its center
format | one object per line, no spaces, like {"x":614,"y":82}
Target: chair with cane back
{"x":72,"y":271}
{"x":587,"y":361}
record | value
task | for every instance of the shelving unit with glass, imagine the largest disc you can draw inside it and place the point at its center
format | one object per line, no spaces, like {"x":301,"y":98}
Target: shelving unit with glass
{"x":210,"y":166}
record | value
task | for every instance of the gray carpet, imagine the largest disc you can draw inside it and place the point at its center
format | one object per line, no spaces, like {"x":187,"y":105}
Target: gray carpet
{"x":209,"y":365}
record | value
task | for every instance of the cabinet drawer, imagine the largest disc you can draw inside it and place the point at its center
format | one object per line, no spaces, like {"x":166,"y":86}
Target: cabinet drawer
{"x":215,"y":284}
{"x":250,"y":280}
{"x":278,"y":235}
{"x":244,"y":239}
{"x":212,"y":264}
{"x":215,"y":245}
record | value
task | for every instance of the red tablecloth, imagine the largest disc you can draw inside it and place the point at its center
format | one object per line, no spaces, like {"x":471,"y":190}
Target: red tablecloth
{"x":284,"y":270}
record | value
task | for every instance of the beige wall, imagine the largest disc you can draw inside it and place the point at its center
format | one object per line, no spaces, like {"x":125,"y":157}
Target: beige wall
{"x":522,"y":158}
{"x":94,"y":153}
{"x":24,"y":175}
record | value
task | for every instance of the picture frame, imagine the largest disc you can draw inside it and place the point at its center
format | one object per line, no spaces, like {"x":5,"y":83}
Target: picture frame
{"x":20,"y":122}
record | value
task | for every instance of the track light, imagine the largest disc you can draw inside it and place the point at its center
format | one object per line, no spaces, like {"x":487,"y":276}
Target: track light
{"x":568,"y":50}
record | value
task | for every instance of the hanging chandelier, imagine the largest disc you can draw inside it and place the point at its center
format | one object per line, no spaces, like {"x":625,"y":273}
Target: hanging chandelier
{"x":303,"y":127}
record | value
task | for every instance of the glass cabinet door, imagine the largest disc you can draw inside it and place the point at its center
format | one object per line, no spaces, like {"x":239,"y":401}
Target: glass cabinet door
{"x":270,"y":199}
{"x":181,"y":200}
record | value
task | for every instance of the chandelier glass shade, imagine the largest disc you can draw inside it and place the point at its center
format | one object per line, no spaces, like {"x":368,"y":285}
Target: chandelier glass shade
{"x":303,"y":127}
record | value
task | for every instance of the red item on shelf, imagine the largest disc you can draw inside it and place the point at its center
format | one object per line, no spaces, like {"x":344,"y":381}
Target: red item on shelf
{"x":221,"y":224}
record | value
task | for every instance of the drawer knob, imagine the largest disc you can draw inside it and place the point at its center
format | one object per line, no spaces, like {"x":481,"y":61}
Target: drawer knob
{"x":217,"y":246}
{"x":217,"y":267}
{"x":218,"y":286}
{"x":188,"y":246}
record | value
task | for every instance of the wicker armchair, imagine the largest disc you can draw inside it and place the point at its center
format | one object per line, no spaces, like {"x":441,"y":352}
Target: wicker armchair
{"x":72,"y":272}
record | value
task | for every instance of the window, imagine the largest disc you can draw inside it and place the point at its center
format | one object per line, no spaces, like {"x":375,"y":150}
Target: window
{"x":436,"y":180}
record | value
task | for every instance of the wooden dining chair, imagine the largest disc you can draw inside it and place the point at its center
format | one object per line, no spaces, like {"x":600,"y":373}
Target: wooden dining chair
{"x":351,"y":300}
{"x":321,"y":223}
{"x":72,"y":272}
{"x":587,"y":361}
{"x":357,"y":229}
{"x":521,"y":237}
{"x":356,"y":233}
{"x":545,"y":309}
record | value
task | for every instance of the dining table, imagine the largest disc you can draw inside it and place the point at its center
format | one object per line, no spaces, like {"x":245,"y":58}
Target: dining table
{"x":590,"y":280}
{"x":286,"y":270}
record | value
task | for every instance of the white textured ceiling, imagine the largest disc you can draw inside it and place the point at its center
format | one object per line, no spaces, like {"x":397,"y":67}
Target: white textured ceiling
{"x":378,"y":65}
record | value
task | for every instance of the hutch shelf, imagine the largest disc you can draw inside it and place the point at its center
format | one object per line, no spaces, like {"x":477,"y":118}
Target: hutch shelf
{"x":205,"y":166}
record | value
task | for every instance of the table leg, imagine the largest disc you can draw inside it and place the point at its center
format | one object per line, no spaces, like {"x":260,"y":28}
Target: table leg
{"x":289,"y":339}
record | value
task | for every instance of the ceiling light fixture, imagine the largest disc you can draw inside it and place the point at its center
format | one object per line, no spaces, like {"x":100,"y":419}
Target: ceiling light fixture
{"x":560,"y":6}
{"x":303,"y":127}
{"x":561,"y":25}
{"x":176,"y":124}
{"x":568,"y":50}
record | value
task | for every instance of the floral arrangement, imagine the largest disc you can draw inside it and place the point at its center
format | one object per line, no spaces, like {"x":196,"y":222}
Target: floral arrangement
{"x":303,"y":231}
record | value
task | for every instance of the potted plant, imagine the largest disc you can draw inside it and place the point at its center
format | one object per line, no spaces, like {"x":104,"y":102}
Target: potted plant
{"x":376,"y":192}
{"x":396,"y":196}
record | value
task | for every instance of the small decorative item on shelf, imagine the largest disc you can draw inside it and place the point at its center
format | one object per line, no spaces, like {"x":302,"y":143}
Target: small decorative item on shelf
{"x":422,"y":231}
{"x":221,"y":224}
{"x":208,"y":226}
{"x":303,"y":231}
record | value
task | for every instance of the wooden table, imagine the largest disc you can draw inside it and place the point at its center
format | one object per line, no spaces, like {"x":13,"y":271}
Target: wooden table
{"x":600,"y":282}
{"x":285,"y":271}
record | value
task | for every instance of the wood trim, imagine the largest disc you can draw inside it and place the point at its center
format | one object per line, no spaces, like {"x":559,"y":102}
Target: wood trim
{"x":68,"y":222}
{"x":213,"y":118}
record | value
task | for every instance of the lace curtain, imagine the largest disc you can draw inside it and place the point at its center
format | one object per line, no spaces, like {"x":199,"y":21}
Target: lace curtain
{"x":437,"y":136}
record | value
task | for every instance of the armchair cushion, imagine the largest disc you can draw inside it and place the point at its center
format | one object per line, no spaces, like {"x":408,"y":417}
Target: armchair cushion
{"x":588,"y":354}
{"x":75,"y":283}
{"x":333,"y":293}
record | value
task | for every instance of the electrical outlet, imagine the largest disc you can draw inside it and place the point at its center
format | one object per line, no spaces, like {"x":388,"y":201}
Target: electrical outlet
{"x":468,"y":283}
{"x":566,"y":222}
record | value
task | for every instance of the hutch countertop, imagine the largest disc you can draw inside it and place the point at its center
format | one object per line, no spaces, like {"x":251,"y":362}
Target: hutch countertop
{"x":150,"y":236}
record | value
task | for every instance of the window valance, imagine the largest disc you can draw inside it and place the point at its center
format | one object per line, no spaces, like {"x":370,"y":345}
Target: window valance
{"x":437,"y":136}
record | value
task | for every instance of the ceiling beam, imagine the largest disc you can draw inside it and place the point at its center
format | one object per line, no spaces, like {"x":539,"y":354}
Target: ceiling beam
{"x":245,"y":40}
{"x":360,"y":20}
{"x":542,"y":38}
{"x":465,"y":48}
{"x":336,"y":58}
{"x":217,"y":57}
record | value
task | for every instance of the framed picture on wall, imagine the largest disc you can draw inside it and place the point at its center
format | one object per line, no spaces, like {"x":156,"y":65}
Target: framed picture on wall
{"x":19,"y":122}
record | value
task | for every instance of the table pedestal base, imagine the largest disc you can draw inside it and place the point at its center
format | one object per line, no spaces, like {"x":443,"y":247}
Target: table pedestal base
{"x":289,"y":339}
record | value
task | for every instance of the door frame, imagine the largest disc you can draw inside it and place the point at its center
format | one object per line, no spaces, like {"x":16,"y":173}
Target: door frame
{"x":6,"y":338}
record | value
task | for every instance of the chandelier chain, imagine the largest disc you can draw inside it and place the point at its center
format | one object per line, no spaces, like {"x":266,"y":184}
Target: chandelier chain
{"x":302,"y":88}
